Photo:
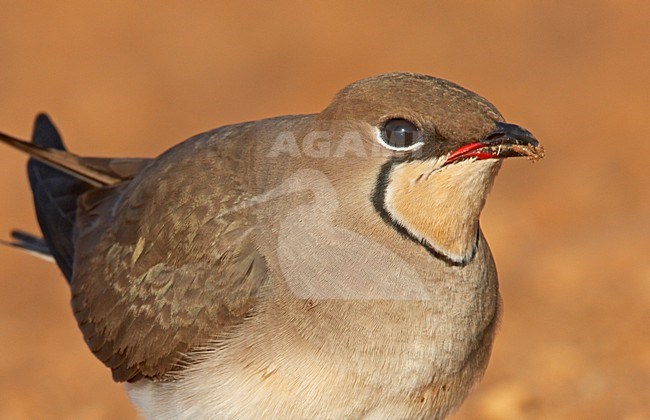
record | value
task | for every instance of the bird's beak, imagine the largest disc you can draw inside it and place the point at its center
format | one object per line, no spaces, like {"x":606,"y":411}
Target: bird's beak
{"x":508,"y":140}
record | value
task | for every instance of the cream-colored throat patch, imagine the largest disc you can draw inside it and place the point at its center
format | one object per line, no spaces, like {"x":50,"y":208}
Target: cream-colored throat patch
{"x":440,"y":205}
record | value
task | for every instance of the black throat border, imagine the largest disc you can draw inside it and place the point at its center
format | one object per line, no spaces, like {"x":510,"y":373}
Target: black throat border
{"x":378,"y":198}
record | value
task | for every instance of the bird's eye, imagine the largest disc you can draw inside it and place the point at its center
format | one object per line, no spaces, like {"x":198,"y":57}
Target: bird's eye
{"x":400,"y":134}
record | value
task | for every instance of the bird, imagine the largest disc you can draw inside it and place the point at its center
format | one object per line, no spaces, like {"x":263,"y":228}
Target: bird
{"x":323,"y":265}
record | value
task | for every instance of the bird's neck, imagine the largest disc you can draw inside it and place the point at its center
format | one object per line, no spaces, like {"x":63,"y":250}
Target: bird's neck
{"x":440,"y":206}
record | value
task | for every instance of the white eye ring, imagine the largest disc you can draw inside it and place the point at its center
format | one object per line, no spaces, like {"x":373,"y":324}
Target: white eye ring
{"x":380,"y":140}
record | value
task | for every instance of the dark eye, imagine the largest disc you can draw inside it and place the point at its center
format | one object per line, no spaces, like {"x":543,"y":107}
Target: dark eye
{"x":401,"y":134}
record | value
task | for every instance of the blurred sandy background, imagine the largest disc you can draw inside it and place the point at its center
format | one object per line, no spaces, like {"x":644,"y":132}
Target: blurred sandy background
{"x":570,"y":234}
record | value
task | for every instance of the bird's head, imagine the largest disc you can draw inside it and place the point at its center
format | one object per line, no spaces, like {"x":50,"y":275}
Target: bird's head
{"x":440,"y":149}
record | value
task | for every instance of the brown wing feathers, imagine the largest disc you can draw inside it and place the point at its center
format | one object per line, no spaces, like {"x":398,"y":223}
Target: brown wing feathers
{"x":145,"y":293}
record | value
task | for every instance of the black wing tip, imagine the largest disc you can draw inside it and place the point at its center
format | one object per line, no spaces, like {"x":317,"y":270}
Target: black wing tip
{"x":45,"y":133}
{"x":42,"y":117}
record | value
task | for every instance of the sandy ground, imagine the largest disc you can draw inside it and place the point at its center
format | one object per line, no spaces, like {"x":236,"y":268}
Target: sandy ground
{"x":570,"y":234}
